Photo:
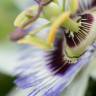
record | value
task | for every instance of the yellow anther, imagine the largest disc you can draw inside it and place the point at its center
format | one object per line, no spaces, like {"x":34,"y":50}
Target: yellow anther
{"x":55,"y":26}
{"x":25,"y":16}
{"x":36,"y":41}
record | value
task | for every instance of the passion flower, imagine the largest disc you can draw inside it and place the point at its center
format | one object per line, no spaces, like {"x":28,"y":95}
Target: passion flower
{"x":68,"y":49}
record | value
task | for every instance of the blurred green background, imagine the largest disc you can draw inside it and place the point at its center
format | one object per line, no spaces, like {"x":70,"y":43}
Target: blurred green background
{"x":8,"y":12}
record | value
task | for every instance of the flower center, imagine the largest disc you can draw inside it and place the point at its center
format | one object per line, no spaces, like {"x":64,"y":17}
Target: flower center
{"x":78,"y":42}
{"x":74,"y":39}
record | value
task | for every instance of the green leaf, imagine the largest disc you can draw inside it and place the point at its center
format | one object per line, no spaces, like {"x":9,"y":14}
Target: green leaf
{"x":6,"y":84}
{"x":91,"y":90}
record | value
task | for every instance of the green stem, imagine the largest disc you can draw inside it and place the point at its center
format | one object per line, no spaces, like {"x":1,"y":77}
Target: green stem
{"x":71,"y":25}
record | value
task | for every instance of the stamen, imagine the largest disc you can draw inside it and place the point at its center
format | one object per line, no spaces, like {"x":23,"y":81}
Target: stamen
{"x":25,"y":16}
{"x":41,"y":4}
{"x":66,"y":22}
{"x":20,"y":33}
{"x":34,"y":18}
{"x":34,"y":40}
